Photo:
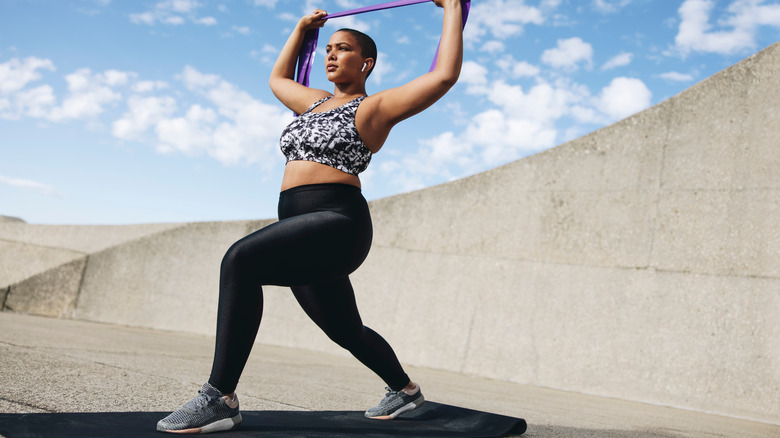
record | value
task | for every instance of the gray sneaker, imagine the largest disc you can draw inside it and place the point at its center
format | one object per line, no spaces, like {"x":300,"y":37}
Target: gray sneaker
{"x":210,"y":411}
{"x":394,"y":404}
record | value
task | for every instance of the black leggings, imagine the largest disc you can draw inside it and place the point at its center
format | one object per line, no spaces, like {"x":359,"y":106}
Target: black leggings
{"x":323,"y":235}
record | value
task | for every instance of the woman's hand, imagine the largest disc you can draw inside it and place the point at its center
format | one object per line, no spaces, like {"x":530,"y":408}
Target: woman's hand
{"x":313,"y":20}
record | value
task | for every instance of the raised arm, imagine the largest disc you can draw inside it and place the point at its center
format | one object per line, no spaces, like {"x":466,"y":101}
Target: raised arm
{"x":282,"y":81}
{"x":387,"y":108}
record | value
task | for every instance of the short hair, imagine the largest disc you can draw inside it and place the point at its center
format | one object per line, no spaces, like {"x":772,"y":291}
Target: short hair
{"x":367,"y":45}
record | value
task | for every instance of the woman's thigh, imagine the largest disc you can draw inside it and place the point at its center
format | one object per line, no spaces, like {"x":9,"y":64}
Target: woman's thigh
{"x":304,"y":249}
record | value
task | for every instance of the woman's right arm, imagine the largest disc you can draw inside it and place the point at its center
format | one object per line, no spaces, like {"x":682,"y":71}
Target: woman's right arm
{"x":293,"y":95}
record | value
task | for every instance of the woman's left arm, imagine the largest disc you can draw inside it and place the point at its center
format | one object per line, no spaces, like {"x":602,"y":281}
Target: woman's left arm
{"x":389,"y":107}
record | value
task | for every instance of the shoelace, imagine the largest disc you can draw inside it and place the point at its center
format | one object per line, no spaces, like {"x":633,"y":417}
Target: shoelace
{"x":389,"y":393}
{"x":201,"y":401}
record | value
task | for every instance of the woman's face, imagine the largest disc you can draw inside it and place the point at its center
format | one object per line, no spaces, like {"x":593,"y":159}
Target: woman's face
{"x":344,"y":59}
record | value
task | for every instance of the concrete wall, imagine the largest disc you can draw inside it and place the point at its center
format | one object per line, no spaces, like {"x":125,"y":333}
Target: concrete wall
{"x":638,"y":262}
{"x":170,"y":283}
{"x":41,"y":267}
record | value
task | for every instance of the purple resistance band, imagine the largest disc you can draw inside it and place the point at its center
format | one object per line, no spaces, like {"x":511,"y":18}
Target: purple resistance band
{"x":306,"y":55}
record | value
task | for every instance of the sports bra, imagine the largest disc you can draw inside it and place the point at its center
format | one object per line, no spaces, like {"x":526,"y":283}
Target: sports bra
{"x":329,"y":138}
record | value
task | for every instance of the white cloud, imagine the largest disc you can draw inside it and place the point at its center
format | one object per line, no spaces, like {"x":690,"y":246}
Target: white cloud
{"x":382,"y":68}
{"x":569,"y":53}
{"x":231,"y":126}
{"x":251,"y":132}
{"x":502,"y":137}
{"x":149,"y":86}
{"x":492,"y":137}
{"x":266,"y":55}
{"x":270,"y":4}
{"x":173,"y":12}
{"x":518,"y":122}
{"x":500,"y":18}
{"x":610,"y":6}
{"x":174,"y":20}
{"x":207,"y":21}
{"x":35,"y":186}
{"x":516,"y":69}
{"x":183,"y":6}
{"x":113,"y":78}
{"x":89,"y":9}
{"x":493,"y":47}
{"x":443,"y":156}
{"x":347,"y":4}
{"x":695,"y":32}
{"x":194,"y":80}
{"x":619,"y":60}
{"x":624,"y":97}
{"x":147,"y":18}
{"x":286,"y":16}
{"x":351,"y":22}
{"x":585,"y":113}
{"x":89,"y":93}
{"x":16,"y":74}
{"x":544,"y":103}
{"x":143,"y":113}
{"x":677,"y":77}
{"x":37,"y":102}
{"x":191,"y":134}
{"x":243,"y":30}
{"x":473,"y":73}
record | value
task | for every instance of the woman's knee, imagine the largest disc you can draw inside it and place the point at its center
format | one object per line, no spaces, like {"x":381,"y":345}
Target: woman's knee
{"x":232,"y":258}
{"x":348,"y":338}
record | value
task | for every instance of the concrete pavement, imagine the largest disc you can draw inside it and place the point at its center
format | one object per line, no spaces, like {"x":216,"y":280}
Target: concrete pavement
{"x":54,"y":365}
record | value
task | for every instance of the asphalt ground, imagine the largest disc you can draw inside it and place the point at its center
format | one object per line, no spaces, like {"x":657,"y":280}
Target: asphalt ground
{"x":66,"y":366}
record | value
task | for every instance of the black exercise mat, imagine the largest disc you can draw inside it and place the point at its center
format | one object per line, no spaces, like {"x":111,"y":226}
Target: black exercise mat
{"x":430,"y":420}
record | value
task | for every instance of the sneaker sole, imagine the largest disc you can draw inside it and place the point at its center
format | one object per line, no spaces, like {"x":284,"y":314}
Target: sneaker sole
{"x":217,"y":426}
{"x":405,"y":408}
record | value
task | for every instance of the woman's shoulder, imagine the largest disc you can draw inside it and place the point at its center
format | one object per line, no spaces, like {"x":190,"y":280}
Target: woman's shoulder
{"x":371,"y":102}
{"x":375,"y":105}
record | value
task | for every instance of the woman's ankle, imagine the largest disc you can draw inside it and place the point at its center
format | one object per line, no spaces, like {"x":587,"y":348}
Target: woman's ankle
{"x":411,"y":389}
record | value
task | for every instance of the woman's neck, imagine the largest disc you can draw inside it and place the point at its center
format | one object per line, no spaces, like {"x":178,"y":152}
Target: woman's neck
{"x":350,"y":91}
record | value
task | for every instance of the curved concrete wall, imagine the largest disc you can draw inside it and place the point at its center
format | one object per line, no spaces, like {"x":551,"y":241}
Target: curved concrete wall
{"x":638,"y":262}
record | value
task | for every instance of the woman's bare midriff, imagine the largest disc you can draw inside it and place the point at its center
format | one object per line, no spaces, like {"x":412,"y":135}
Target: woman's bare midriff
{"x":299,"y":173}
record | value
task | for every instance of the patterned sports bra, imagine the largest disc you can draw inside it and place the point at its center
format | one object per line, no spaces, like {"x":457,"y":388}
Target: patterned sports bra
{"x":329,"y":138}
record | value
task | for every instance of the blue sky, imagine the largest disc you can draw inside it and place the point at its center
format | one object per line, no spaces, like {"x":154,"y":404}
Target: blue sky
{"x":120,"y":112}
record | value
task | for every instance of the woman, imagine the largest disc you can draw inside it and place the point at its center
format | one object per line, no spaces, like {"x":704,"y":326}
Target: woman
{"x":324,"y":228}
